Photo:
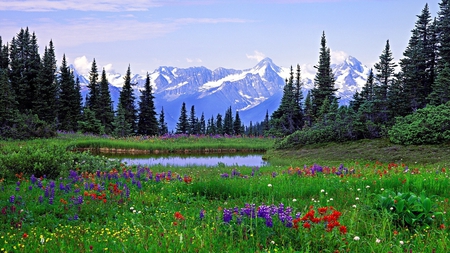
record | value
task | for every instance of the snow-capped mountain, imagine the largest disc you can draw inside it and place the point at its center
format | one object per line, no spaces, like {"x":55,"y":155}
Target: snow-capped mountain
{"x":252,"y":91}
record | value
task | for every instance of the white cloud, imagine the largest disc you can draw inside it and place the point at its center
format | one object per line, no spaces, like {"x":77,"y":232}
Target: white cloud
{"x":258,"y":56}
{"x":109,"y":68}
{"x":82,"y":65}
{"x":193,"y":60}
{"x":338,"y":57}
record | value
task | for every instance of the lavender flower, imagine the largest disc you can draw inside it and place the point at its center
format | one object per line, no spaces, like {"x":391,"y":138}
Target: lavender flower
{"x":12,"y":199}
{"x":227,"y":215}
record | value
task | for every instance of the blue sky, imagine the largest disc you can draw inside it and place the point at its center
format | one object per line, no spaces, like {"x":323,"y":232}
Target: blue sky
{"x":217,"y":33}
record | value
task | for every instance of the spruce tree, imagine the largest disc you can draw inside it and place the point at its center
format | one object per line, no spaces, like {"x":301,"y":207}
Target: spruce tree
{"x":89,"y":123}
{"x":121,"y":127}
{"x":162,"y":125}
{"x":366,"y":93}
{"x":67,"y":116}
{"x":443,"y":33}
{"x":266,"y":124}
{"x":237,"y":124}
{"x":147,"y":122}
{"x":4,"y":55}
{"x":228,"y":122}
{"x":202,"y":124}
{"x":324,"y":80}
{"x":219,"y":124}
{"x":192,"y":129}
{"x":8,"y":104}
{"x":441,"y":87}
{"x":92,"y":98}
{"x":46,"y":92}
{"x":126,"y":100}
{"x":105,"y":111}
{"x":182,"y":124}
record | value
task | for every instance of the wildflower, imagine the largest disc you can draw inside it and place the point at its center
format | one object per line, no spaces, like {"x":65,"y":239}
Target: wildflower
{"x":322,"y":190}
{"x":354,"y":206}
{"x":25,"y":235}
{"x":395,"y":232}
{"x":202,"y":214}
{"x":343,"y":230}
{"x":356,"y":238}
{"x":368,"y":186}
{"x":272,"y":242}
{"x":178,"y":216}
{"x":294,"y":200}
{"x":401,"y":242}
{"x":442,"y":226}
{"x":269,"y":185}
{"x":356,"y":198}
{"x":306,"y":225}
{"x":377,"y":240}
{"x":12,"y":199}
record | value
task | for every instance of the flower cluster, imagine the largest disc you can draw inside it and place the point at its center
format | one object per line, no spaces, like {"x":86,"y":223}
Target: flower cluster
{"x":327,"y":217}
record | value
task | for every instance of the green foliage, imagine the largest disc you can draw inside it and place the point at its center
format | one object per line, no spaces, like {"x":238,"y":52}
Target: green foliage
{"x":27,"y":126}
{"x":430,"y":125}
{"x":90,"y":124}
{"x":408,"y":209}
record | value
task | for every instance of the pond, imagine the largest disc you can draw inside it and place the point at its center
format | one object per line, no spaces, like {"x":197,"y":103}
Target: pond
{"x":241,"y":159}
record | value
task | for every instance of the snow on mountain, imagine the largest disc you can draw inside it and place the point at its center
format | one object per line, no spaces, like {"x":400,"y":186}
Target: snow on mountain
{"x":251,"y":91}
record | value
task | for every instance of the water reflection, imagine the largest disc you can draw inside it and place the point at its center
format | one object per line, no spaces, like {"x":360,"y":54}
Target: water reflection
{"x":192,"y":160}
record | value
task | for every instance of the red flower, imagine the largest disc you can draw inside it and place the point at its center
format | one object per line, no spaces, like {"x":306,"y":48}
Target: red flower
{"x":442,"y":226}
{"x":174,"y":223}
{"x":179,"y":216}
{"x":306,"y":225}
{"x":25,"y":235}
{"x":343,"y":230}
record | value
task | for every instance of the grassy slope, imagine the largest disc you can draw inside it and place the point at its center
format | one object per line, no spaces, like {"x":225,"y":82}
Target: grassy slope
{"x":364,"y":150}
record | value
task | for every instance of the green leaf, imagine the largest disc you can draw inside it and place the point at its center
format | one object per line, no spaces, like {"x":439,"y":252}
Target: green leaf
{"x":426,"y":203}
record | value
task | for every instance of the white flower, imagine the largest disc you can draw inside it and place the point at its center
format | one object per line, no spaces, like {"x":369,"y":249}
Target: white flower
{"x":294,"y":200}
{"x":356,"y":198}
{"x":377,"y":240}
{"x":354,"y":206}
{"x":269,"y":185}
{"x":401,"y":242}
{"x":131,"y":208}
{"x":391,"y":208}
{"x":359,"y":189}
{"x":368,"y":186}
{"x":272,"y":242}
{"x":331,"y":199}
{"x":356,"y":238}
{"x":322,"y":190}
{"x":382,"y":189}
{"x":134,"y":211}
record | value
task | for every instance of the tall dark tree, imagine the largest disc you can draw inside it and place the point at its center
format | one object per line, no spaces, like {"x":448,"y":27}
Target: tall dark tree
{"x":182,"y":124}
{"x":162,"y":125}
{"x":69,"y":102}
{"x":266,"y":124}
{"x":147,"y":122}
{"x":443,"y":33}
{"x":366,"y":94}
{"x":92,"y":98}
{"x":202,"y":124}
{"x":228,"y":122}
{"x":219,"y":124}
{"x":105,"y":111}
{"x":324,"y":79}
{"x":8,"y":104}
{"x":4,"y":55}
{"x":441,"y":87}
{"x":384,"y":75}
{"x":46,"y":92}
{"x":237,"y":124}
{"x":418,"y":64}
{"x":126,"y":100}
{"x":192,"y":122}
{"x":25,"y":65}
{"x":308,"y":111}
{"x":121,"y":126}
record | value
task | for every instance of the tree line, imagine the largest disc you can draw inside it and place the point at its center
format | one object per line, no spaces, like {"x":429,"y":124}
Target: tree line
{"x":423,"y":80}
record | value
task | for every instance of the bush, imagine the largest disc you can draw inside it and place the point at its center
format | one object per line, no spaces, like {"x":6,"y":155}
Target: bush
{"x":27,"y":126}
{"x":430,"y":125}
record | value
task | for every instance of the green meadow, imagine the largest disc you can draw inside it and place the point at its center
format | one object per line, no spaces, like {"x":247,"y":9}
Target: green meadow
{"x":367,"y":196}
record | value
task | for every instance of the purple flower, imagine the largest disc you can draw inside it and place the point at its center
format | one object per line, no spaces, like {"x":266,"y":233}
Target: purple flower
{"x":12,"y":199}
{"x":227,"y":215}
{"x":224,"y":175}
{"x":41,"y":199}
{"x":33,"y":179}
{"x":202,"y":214}
{"x":18,"y":183}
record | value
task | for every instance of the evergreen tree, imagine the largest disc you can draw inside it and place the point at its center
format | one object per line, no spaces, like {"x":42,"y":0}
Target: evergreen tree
{"x":441,"y":87}
{"x":4,"y":55}
{"x":182,"y":124}
{"x":385,"y":73}
{"x":211,"y":129}
{"x":366,"y":93}
{"x":324,"y":80}
{"x":202,"y":124}
{"x":105,"y":111}
{"x":266,"y":124}
{"x":192,"y":129}
{"x":89,"y":123}
{"x":25,"y":65}
{"x":126,"y":100}
{"x":46,"y":91}
{"x":121,"y":127}
{"x":69,"y":111}
{"x":250,"y":129}
{"x":308,"y":111}
{"x":418,"y":64}
{"x":162,"y":125}
{"x":237,"y":124}
{"x":219,"y":124}
{"x":92,"y":98}
{"x":228,"y":122}
{"x":8,"y":104}
{"x":147,"y":124}
{"x":443,"y":33}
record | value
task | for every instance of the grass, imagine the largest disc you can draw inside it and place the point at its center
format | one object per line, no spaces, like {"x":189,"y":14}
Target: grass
{"x":281,"y":207}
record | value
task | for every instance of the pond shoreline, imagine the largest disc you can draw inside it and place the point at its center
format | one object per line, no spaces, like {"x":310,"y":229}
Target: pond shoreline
{"x":157,"y":151}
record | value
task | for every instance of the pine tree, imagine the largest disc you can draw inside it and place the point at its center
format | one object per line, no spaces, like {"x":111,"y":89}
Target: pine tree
{"x":418,"y":64}
{"x":192,"y":129}
{"x":162,"y":125}
{"x":366,"y":93}
{"x":266,"y":124}
{"x":121,"y":127}
{"x":443,"y":33}
{"x":46,"y":92}
{"x":219,"y":124}
{"x":69,"y":111}
{"x":237,"y":124}
{"x":308,"y":111}
{"x":441,"y":88}
{"x":228,"y":122}
{"x":147,"y":122}
{"x":4,"y":55}
{"x":105,"y":111}
{"x":324,"y":80}
{"x":92,"y":98}
{"x":385,"y":73}
{"x":202,"y":124}
{"x":90,"y":124}
{"x":126,"y":100}
{"x":182,"y":124}
{"x":8,"y":104}
{"x":25,"y":65}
